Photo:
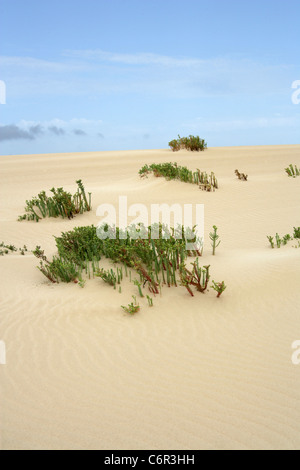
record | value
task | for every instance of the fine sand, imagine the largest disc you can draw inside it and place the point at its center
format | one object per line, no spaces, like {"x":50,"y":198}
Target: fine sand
{"x":189,"y":373}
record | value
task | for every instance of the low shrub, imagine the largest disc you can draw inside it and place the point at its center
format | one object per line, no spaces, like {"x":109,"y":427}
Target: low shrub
{"x":172,"y":171}
{"x":193,"y":143}
{"x":61,"y":204}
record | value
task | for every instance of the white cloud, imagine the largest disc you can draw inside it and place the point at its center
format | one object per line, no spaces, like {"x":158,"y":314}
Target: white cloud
{"x":97,"y":73}
{"x":31,"y":63}
{"x":227,"y":125}
{"x":146,"y":58}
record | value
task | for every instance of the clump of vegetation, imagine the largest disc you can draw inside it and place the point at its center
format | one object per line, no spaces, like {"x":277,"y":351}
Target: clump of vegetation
{"x":292,"y":170}
{"x":107,"y":276}
{"x":214,"y":238}
{"x":157,"y":260}
{"x":110,"y":276}
{"x":172,"y":171}
{"x":133,"y":307}
{"x":241,"y":176}
{"x":193,"y":143}
{"x":59,"y":269}
{"x":5,"y":249}
{"x":199,"y":277}
{"x":60,"y":204}
{"x":283,"y":240}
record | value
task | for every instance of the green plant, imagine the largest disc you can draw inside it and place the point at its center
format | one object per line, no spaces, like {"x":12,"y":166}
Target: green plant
{"x":139,"y":285}
{"x":198,"y":277}
{"x":119,"y":275}
{"x":271,"y":240}
{"x":175,"y":145}
{"x":214,"y":237}
{"x":150,"y":301}
{"x":58,"y":269}
{"x":172,"y":171}
{"x":11,"y":248}
{"x":286,"y":238}
{"x":60,"y":204}
{"x":193,"y":143}
{"x":132,"y":308}
{"x":296,"y":232}
{"x":219,"y":287}
{"x":283,"y":241}
{"x":107,"y":276}
{"x":292,"y":171}
{"x":157,"y":258}
{"x":278,"y":240}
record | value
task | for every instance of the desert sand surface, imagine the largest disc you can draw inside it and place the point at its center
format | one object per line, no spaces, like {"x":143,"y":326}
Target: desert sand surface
{"x":190,"y":372}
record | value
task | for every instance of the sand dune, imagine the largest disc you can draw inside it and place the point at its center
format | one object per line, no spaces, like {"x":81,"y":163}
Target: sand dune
{"x":189,"y":373}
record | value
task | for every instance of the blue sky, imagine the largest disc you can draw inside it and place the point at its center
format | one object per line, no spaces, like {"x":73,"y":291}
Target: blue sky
{"x":124,"y":74}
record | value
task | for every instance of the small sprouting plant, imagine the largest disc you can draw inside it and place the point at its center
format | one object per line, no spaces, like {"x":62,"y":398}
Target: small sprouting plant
{"x":278,"y":240}
{"x":139,"y":286}
{"x":241,"y":176}
{"x":119,"y":275}
{"x":81,"y":283}
{"x":150,"y":301}
{"x":219,"y":287}
{"x":23,"y":250}
{"x":292,"y":170}
{"x":133,"y":307}
{"x":214,"y":238}
{"x":271,"y":240}
{"x":296,"y":232}
{"x":286,"y":238}
{"x":11,"y":247}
